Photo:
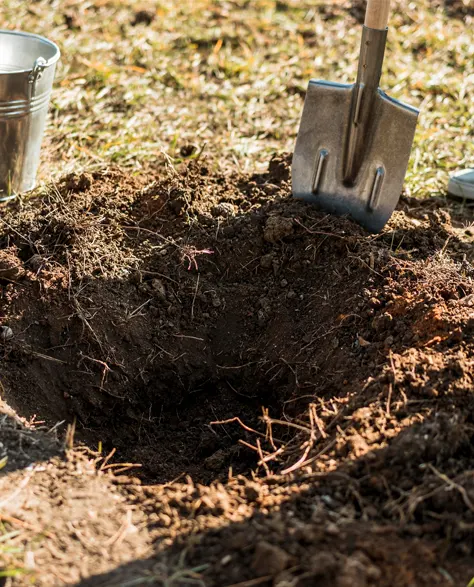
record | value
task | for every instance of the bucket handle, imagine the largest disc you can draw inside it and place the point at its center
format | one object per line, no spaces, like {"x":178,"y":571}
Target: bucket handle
{"x":36,"y":74}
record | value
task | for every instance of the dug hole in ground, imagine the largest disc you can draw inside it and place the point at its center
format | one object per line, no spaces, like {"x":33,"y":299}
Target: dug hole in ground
{"x":262,"y":394}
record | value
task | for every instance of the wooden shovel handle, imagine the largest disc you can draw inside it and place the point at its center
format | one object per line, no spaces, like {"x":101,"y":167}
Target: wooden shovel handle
{"x":376,"y":15}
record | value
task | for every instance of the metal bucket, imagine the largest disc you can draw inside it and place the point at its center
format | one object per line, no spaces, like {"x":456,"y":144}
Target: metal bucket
{"x":27,"y":65}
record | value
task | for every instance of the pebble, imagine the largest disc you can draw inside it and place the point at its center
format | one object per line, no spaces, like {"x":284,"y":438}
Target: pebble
{"x":362,"y":342}
{"x":160,"y":289}
{"x":266,"y":261}
{"x":261,"y":317}
{"x":283,"y":283}
{"x":6,"y":333}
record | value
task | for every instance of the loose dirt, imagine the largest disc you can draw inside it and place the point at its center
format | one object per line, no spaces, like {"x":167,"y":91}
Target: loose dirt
{"x":292,"y":395}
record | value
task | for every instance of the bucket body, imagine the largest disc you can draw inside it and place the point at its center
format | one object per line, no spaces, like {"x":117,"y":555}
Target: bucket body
{"x":27,"y":67}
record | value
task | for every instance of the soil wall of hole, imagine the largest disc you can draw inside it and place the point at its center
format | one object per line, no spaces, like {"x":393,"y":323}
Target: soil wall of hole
{"x":147,"y":308}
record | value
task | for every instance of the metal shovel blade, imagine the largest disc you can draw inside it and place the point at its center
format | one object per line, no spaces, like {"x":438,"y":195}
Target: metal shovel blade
{"x":354,"y":143}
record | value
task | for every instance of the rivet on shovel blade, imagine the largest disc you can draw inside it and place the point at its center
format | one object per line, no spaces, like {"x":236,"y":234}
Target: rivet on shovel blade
{"x":375,"y":193}
{"x":318,"y":172}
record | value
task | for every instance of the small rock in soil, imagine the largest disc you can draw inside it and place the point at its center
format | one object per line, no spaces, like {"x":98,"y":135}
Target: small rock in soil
{"x":226,"y":560}
{"x":216,"y":302}
{"x":6,"y":333}
{"x":277,"y":228}
{"x":269,"y":559}
{"x":159,"y":288}
{"x":266,"y":261}
{"x":362,"y":342}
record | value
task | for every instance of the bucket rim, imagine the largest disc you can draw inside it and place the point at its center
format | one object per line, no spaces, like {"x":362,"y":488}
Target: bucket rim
{"x":51,"y":61}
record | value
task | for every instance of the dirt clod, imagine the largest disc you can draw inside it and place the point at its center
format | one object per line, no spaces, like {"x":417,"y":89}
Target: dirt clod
{"x":269,"y":559}
{"x":277,"y":228}
{"x":11,"y":268}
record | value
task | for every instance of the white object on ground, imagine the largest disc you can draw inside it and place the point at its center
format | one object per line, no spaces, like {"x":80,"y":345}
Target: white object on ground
{"x":462,"y":184}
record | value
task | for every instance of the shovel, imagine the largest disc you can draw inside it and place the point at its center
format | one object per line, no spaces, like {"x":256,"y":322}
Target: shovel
{"x":354,"y":141}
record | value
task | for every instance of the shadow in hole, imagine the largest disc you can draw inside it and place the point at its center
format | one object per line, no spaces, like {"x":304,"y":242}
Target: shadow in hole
{"x":144,"y":362}
{"x":20,"y":446}
{"x":387,"y":518}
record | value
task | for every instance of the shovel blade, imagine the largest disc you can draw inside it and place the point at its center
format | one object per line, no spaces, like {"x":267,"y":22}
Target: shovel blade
{"x":317,"y":169}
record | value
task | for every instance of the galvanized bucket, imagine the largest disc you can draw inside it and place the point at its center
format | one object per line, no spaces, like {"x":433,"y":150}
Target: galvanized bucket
{"x":27,"y":66}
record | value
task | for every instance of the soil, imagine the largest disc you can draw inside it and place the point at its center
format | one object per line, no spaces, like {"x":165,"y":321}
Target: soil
{"x":292,"y":396}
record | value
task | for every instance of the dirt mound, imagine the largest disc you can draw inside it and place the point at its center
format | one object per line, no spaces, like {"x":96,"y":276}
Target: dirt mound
{"x":210,"y":325}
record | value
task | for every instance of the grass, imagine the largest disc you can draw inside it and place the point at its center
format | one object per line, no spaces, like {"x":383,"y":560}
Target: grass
{"x":231,"y":75}
{"x":12,"y":552}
